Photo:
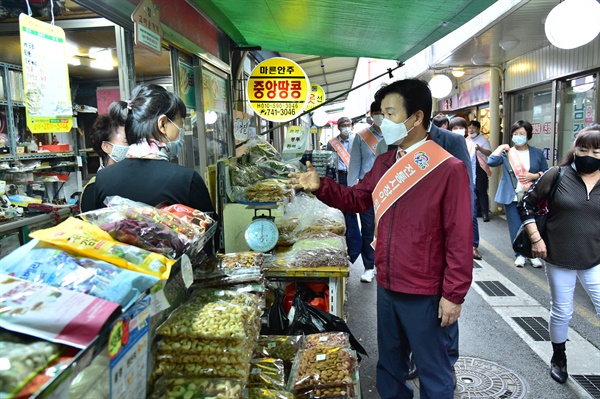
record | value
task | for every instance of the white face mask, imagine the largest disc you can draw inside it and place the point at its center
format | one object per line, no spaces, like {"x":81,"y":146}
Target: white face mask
{"x":176,"y":146}
{"x":473,"y":135}
{"x":119,"y":152}
{"x":519,"y":140}
{"x":394,"y":133}
{"x":459,"y":131}
{"x":346,"y":131}
{"x":377,"y":119}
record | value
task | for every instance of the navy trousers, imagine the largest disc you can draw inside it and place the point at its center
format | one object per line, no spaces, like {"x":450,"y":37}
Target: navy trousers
{"x":353,"y":239}
{"x":406,"y":321}
{"x":367,"y":231}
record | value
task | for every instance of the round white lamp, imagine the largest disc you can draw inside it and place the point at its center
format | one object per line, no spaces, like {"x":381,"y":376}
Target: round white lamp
{"x":479,"y":59}
{"x":440,"y":86}
{"x":320,"y":118}
{"x":573,"y":23}
{"x":210,"y":117}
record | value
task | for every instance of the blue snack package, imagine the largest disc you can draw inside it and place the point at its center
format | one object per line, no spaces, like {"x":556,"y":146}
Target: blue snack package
{"x":37,"y":261}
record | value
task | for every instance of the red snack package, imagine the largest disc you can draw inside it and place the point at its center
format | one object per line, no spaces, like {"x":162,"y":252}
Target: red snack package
{"x":196,"y":218}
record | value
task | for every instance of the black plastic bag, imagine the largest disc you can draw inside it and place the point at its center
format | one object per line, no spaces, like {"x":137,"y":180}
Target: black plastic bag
{"x":276,"y":318}
{"x":311,"y":320}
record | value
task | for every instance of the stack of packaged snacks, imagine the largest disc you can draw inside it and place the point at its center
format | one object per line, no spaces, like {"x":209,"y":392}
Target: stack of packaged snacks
{"x":210,"y":335}
{"x":177,"y":386}
{"x":324,"y":368}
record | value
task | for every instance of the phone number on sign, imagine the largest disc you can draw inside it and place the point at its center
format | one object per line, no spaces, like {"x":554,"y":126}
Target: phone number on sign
{"x":269,"y":111}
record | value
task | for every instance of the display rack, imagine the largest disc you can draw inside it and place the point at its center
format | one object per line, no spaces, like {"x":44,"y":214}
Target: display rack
{"x":174,"y":290}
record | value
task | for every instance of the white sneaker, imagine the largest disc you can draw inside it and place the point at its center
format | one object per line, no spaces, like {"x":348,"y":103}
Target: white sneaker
{"x":536,"y":262}
{"x":367,"y":276}
{"x":520,"y":261}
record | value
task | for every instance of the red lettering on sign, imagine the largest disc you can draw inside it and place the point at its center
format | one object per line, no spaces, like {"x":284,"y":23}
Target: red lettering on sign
{"x":258,"y":87}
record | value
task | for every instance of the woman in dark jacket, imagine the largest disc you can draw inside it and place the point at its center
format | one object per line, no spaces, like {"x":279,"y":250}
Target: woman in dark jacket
{"x":571,"y":245}
{"x":153,"y":118}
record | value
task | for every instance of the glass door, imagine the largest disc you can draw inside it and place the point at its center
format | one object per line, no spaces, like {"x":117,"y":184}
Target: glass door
{"x":578,"y":108}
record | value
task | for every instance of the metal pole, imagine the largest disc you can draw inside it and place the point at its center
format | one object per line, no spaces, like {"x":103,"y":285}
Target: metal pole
{"x":126,"y":62}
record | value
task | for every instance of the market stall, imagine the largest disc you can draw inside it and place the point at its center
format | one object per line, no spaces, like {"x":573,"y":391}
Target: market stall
{"x":125,"y":302}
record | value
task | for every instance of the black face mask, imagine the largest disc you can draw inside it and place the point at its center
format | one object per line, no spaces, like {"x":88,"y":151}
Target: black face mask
{"x":586,"y":164}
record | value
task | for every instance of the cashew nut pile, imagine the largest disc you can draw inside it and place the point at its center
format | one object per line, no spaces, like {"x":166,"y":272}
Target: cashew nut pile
{"x":170,"y":387}
{"x":211,"y":335}
{"x":204,"y":369}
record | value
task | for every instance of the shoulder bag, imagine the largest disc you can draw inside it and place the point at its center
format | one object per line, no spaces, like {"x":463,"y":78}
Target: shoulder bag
{"x":522,"y":243}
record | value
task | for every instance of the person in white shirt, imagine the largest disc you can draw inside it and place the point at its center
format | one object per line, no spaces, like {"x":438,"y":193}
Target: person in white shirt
{"x":482,"y":170}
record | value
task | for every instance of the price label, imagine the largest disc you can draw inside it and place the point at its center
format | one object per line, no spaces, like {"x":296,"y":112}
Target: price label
{"x":186,"y":271}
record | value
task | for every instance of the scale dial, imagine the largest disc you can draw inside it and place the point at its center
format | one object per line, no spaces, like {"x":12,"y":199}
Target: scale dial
{"x":261,"y":234}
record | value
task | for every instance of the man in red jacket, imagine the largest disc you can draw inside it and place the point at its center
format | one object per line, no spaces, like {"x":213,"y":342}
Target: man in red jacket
{"x":424,"y":236}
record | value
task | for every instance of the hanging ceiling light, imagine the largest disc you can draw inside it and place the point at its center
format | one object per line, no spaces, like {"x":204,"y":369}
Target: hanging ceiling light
{"x":458,"y":73}
{"x":509,"y":43}
{"x":440,"y":86}
{"x":479,"y":58}
{"x":573,"y":23}
{"x":320,"y":117}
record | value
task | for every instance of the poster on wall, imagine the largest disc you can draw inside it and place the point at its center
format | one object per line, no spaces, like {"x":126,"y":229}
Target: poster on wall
{"x":186,"y":85}
{"x":214,"y":92}
{"x":278,"y":89}
{"x":147,"y":29}
{"x":579,"y":113}
{"x":45,"y":76}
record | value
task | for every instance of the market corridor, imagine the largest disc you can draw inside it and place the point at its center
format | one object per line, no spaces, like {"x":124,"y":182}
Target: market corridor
{"x":488,"y":333}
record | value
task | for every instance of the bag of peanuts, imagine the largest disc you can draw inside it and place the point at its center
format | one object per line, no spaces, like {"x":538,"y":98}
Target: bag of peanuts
{"x":321,"y":367}
{"x":327,"y":340}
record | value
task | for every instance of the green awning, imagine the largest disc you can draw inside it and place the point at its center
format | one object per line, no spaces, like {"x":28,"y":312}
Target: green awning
{"x":388,"y":29}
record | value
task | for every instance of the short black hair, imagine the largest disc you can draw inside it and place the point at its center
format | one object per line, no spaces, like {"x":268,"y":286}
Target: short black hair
{"x":476,"y":124}
{"x":440,"y":119}
{"x":522,"y":124}
{"x":103,"y":129}
{"x":457,"y":121}
{"x":148,"y":102}
{"x":375,"y":106}
{"x":416,"y":95}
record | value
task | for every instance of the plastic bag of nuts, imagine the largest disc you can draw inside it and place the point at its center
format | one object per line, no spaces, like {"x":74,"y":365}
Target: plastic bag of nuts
{"x":338,"y":391}
{"x":177,"y":386}
{"x":322,"y":366}
{"x":217,"y":320}
{"x":327,"y":339}
{"x":267,"y":373}
{"x":181,"y":346}
{"x":238,"y":371}
{"x":282,"y":347}
{"x":262,"y":393}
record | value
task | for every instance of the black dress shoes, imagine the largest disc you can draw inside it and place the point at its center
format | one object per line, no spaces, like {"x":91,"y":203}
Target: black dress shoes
{"x":558,"y":370}
{"x":486,"y":217}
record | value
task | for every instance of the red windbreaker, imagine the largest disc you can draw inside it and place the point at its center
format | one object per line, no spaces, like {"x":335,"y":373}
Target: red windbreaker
{"x":425,"y":240}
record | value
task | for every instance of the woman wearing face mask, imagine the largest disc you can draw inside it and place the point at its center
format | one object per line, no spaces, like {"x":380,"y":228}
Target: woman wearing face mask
{"x":154,"y":118}
{"x":109,"y":142}
{"x":522,"y":165}
{"x":571,"y":245}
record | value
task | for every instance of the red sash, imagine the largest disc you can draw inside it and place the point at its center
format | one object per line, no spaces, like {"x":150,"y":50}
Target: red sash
{"x":341,"y":151}
{"x":404,"y":175}
{"x":369,"y":138}
{"x":515,"y":161}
